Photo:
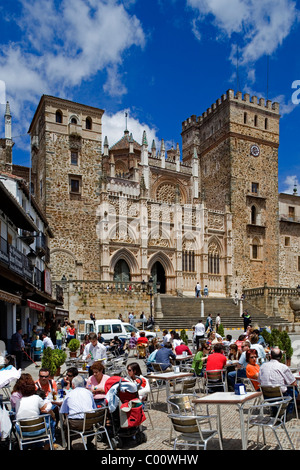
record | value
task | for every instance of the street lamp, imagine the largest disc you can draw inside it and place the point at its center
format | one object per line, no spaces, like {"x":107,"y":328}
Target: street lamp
{"x":150,"y":292}
{"x":31,"y":259}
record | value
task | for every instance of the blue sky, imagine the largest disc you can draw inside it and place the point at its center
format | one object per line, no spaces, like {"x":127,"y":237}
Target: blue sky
{"x":159,"y":60}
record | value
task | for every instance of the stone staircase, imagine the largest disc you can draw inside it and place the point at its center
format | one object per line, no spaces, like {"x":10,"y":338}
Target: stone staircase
{"x":184,"y":312}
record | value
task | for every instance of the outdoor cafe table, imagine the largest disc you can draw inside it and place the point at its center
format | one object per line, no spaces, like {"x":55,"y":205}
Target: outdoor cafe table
{"x":169,"y":377}
{"x":181,"y":357}
{"x":229,"y":398}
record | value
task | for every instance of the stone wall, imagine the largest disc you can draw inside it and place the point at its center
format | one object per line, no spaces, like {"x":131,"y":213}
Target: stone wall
{"x":273,"y":301}
{"x":82,"y":298}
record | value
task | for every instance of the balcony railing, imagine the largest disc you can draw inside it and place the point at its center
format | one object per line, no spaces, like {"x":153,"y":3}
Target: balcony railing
{"x":17,"y":262}
{"x":289,"y":218}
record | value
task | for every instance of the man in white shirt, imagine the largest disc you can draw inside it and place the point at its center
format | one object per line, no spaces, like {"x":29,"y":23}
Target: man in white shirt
{"x":199,"y":332}
{"x":94,"y":351}
{"x":78,"y":401}
{"x":198,"y":290}
{"x":273,"y":373}
{"x":166,"y":337}
{"x":47,"y":342}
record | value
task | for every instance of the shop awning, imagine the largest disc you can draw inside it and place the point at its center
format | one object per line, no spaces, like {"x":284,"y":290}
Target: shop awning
{"x":10,"y":298}
{"x":36,"y":306}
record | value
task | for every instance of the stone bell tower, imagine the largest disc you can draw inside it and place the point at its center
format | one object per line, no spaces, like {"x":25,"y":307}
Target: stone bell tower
{"x":66,"y":141}
{"x":237,"y":145}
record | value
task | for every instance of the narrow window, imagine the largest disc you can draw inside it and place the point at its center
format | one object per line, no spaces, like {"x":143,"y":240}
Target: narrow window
{"x":266,"y":123}
{"x":287,"y":241}
{"x":58,"y":117}
{"x":253,"y":215}
{"x":254,"y":188}
{"x":254,"y":251}
{"x":74,"y":157}
{"x":255,"y":120}
{"x":245,"y":118}
{"x":74,"y":185}
{"x":88,"y":123}
{"x":291,"y":212}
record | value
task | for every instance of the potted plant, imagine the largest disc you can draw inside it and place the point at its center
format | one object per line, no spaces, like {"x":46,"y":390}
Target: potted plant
{"x":59,"y":356}
{"x":52,"y":360}
{"x":73,"y":346}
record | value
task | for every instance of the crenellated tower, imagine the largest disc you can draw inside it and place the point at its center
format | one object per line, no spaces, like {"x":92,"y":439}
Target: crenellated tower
{"x":237,"y":142}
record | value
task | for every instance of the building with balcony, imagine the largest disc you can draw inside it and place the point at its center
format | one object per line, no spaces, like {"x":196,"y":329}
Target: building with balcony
{"x":25,"y":279}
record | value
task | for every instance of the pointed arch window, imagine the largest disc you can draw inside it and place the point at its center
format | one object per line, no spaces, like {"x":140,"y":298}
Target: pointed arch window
{"x":256,"y":249}
{"x":188,"y":261}
{"x":213,"y":259}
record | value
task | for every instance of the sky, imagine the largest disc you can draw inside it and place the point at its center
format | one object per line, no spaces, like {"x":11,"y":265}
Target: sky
{"x":160,"y":61}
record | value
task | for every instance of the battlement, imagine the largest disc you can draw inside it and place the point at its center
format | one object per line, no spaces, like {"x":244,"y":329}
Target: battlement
{"x":230,"y":96}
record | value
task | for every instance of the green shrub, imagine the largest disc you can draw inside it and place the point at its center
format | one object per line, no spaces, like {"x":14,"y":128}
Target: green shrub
{"x":53,"y":359}
{"x":74,"y":345}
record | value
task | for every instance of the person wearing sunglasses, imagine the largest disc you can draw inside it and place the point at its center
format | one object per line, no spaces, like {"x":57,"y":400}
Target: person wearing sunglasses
{"x":252,"y":369}
{"x":66,"y":381}
{"x":134,"y":372}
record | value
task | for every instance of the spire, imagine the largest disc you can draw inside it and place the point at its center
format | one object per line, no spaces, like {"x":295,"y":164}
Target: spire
{"x":7,"y":118}
{"x":7,"y":109}
{"x":145,"y":139}
{"x":153,"y":149}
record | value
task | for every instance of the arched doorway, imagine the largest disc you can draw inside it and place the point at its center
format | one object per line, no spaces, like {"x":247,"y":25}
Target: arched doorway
{"x":122,"y":272}
{"x":158,"y":275}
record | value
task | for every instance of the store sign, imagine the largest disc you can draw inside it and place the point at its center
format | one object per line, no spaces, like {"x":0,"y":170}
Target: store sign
{"x":10,"y":298}
{"x":47,"y":282}
{"x":36,"y":306}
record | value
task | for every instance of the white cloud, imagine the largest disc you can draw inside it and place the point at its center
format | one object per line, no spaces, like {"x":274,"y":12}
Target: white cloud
{"x":113,"y":126}
{"x":262,"y":25}
{"x":62,"y":46}
{"x":289,"y":184}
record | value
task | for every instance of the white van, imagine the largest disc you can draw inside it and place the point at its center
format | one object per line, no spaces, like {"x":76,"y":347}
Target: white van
{"x":109,"y":329}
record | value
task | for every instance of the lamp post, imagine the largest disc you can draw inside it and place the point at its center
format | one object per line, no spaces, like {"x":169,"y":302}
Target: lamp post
{"x":150,"y":292}
{"x":31,"y":259}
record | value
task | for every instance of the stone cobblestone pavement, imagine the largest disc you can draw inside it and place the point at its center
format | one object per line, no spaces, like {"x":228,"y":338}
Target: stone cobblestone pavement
{"x":158,"y":438}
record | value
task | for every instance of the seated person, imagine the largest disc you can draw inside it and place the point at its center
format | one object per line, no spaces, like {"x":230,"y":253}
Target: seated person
{"x":45,"y":383}
{"x":49,"y":386}
{"x":132,"y":340}
{"x":217,"y":360}
{"x":30,"y":405}
{"x":115,"y":344}
{"x":37,"y":343}
{"x":142,"y":339}
{"x":66,"y":381}
{"x":78,"y":401}
{"x":200,"y":358}
{"x":9,"y":363}
{"x":252,"y":369}
{"x":182,"y":348}
{"x":134,"y":374}
{"x":96,"y":383}
{"x":164,"y":355}
{"x":274,"y":373}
